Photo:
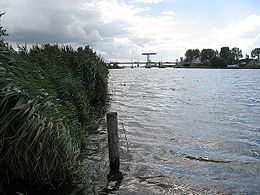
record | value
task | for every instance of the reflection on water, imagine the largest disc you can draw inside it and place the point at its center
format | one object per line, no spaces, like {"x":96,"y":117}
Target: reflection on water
{"x":188,"y":130}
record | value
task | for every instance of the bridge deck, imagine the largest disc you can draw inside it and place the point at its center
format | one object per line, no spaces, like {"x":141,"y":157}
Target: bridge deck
{"x":165,"y":63}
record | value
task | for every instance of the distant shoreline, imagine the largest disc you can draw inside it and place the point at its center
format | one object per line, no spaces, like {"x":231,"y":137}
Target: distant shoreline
{"x":129,"y":67}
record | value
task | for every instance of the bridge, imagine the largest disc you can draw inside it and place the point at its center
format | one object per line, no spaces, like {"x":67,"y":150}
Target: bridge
{"x":148,"y":64}
{"x":151,"y":64}
{"x":148,"y":61}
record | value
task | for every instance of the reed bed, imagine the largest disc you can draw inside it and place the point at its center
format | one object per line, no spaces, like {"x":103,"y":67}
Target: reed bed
{"x":49,"y":94}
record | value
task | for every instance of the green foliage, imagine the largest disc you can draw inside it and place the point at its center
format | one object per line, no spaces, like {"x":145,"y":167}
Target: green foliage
{"x":255,"y":53}
{"x":192,"y":54}
{"x":237,"y":53}
{"x":207,"y":54}
{"x":234,"y":55}
{"x":79,"y":77}
{"x":48,"y":95}
{"x":217,"y":62}
{"x":210,"y":57}
{"x":224,"y":53}
{"x":231,"y":56}
{"x":253,"y":64}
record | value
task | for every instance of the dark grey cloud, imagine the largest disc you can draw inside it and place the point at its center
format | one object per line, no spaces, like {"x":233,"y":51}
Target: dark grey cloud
{"x":66,"y":22}
{"x":29,"y":36}
{"x":112,"y":29}
{"x":34,"y":21}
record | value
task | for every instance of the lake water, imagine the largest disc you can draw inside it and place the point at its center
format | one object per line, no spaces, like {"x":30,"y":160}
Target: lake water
{"x":188,"y":130}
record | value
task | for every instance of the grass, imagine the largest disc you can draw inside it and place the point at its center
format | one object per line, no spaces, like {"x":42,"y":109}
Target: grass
{"x":49,"y":95}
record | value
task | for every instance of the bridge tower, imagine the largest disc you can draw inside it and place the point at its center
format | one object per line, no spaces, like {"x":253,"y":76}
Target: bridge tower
{"x":148,"y":62}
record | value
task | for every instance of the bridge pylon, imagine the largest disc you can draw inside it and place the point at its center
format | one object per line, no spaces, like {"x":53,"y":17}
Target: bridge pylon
{"x":148,"y":62}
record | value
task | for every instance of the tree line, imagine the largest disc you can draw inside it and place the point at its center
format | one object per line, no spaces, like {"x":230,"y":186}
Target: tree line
{"x":217,"y":59}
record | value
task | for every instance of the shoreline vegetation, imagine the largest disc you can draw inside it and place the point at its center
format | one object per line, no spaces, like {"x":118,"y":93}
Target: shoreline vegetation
{"x":50,"y":95}
{"x":226,"y":58}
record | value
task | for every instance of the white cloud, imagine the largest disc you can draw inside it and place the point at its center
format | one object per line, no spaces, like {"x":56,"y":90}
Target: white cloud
{"x":244,"y":34}
{"x":94,"y":36}
{"x":146,"y":1}
{"x":118,"y":30}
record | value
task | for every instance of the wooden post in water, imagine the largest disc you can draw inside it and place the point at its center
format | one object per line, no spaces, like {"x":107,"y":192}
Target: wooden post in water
{"x":113,"y":147}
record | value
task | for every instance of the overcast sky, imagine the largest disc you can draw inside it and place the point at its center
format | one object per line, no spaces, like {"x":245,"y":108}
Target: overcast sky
{"x":122,"y":30}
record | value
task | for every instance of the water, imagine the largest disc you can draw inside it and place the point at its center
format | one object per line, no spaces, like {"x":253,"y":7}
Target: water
{"x":188,"y":130}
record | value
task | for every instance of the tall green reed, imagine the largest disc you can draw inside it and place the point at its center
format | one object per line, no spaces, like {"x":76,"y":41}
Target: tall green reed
{"x":49,"y":94}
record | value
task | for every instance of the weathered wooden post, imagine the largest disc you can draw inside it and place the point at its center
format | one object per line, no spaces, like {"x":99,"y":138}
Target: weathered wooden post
{"x":113,"y":147}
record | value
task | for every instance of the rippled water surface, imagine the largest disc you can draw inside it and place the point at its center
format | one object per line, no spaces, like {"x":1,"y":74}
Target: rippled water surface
{"x":186,"y":130}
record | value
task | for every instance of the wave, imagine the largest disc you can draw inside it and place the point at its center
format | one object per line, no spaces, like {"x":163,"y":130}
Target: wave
{"x":205,"y":159}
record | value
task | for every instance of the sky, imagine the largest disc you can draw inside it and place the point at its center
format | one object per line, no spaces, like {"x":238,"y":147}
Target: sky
{"x":120,"y":30}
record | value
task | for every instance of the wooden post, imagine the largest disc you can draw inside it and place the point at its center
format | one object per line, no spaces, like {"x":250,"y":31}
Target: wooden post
{"x":113,"y":146}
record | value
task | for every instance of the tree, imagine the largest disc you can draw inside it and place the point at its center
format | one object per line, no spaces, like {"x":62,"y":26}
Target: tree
{"x":230,"y":59}
{"x":192,"y":54}
{"x":224,"y":53}
{"x":189,"y":55}
{"x":2,"y":31}
{"x":217,"y":62}
{"x":255,"y":53}
{"x":207,"y":54}
{"x":236,"y":54}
